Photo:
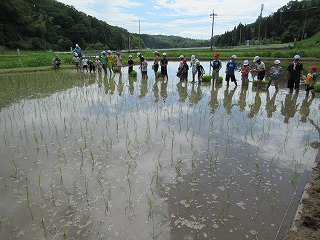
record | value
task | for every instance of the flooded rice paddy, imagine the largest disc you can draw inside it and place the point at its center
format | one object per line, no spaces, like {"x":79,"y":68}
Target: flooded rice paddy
{"x":97,"y":157}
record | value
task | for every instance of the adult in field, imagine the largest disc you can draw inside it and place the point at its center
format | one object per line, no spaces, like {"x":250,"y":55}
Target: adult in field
{"x":216,"y":66}
{"x":294,"y":73}
{"x":56,"y":62}
{"x":164,"y":66}
{"x":78,"y":50}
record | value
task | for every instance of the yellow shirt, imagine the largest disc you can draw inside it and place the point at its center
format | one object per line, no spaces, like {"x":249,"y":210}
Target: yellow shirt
{"x":310,"y":80}
{"x":110,"y":58}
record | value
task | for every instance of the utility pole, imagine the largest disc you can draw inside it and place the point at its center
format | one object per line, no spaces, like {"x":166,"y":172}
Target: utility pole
{"x":139,"y":34}
{"x":260,"y":22}
{"x":213,"y":15}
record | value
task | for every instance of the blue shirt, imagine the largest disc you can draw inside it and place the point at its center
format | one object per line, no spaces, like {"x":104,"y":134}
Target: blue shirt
{"x":231,"y":66}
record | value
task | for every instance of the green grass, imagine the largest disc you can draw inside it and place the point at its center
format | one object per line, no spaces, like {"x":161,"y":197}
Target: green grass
{"x":133,"y":73}
{"x":317,"y":88}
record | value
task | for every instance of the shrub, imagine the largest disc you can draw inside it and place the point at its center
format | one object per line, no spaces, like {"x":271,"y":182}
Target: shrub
{"x":206,"y":78}
{"x":317,"y":88}
{"x":133,"y":74}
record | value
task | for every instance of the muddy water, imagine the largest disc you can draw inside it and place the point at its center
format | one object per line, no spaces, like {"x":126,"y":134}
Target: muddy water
{"x":100,"y":157}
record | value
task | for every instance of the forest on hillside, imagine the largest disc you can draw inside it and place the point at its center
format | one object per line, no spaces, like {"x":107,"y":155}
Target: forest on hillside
{"x":48,"y":24}
{"x":296,"y":21}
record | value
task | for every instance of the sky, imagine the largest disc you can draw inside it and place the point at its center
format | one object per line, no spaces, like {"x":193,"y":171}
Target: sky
{"x":186,"y":18}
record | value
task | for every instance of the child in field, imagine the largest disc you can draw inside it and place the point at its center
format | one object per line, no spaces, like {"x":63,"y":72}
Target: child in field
{"x":119,"y":62}
{"x":110,"y":62}
{"x":130,"y":64}
{"x":104,"y":61}
{"x":310,"y":81}
{"x":155,"y":65}
{"x":230,"y":68}
{"x":260,"y":68}
{"x":56,"y":62}
{"x":92,"y":67}
{"x":193,"y":66}
{"x":98,"y":65}
{"x":164,"y":65}
{"x":200,"y":70}
{"x":144,"y":67}
{"x":84,"y":63}
{"x":76,"y":61}
{"x":184,"y":70}
{"x":245,"y":70}
{"x":274,"y":74}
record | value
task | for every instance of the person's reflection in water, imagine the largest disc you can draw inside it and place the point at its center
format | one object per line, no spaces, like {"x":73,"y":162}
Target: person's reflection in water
{"x":143,"y":87}
{"x":99,"y":80}
{"x":227,"y":99}
{"x":289,"y":107}
{"x":112,"y":85}
{"x":131,"y":84}
{"x":120,"y":86}
{"x":242,"y":102}
{"x":155,"y":90}
{"x":255,"y":107}
{"x":195,"y":95}
{"x":270,"y":105}
{"x":163,"y":89}
{"x":305,"y":108}
{"x":106,"y":84}
{"x":214,"y":104}
{"x":182,"y":90}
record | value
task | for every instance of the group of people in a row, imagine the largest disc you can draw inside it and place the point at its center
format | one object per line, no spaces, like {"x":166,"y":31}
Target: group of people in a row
{"x":294,"y":71}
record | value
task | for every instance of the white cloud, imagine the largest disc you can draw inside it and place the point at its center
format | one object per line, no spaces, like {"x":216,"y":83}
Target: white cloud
{"x":187,"y":18}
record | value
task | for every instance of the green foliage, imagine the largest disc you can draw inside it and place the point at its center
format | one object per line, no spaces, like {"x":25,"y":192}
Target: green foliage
{"x":133,"y":73}
{"x":206,"y":78}
{"x":317,"y":88}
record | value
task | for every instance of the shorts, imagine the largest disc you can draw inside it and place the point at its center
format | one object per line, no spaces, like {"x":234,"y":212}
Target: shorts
{"x":293,"y":83}
{"x":309,"y":87}
{"x":156,"y":67}
{"x":110,"y":65}
{"x":261,"y":75}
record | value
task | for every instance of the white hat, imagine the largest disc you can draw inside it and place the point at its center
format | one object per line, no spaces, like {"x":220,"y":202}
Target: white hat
{"x":296,"y":57}
{"x":256,"y":58}
{"x":109,"y":51}
{"x":103,"y":52}
{"x":233,"y":56}
{"x":164,"y":54}
{"x":245,"y":62}
{"x":138,"y":54}
{"x":193,"y":57}
{"x":197,"y":62}
{"x":76,"y":54}
{"x":77,"y":45}
{"x":130,"y":56}
{"x":181,"y":56}
{"x":97,"y":57}
{"x":277,"y":62}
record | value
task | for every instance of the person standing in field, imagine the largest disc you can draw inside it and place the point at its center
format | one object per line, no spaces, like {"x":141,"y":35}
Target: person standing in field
{"x":274,"y":74}
{"x":294,"y":73}
{"x":193,"y":67}
{"x":98,"y":65}
{"x":164,"y":66}
{"x":245,"y":70}
{"x":184,"y":70}
{"x":216,"y":66}
{"x":144,"y":67}
{"x":110,"y":61}
{"x":230,"y":68}
{"x":76,"y":61}
{"x":130,"y":64}
{"x":78,"y":51}
{"x":310,"y":81}
{"x":200,"y":70}
{"x":104,"y":60}
{"x":119,"y":62}
{"x":155,"y":65}
{"x":260,"y":67}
